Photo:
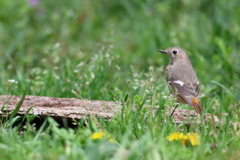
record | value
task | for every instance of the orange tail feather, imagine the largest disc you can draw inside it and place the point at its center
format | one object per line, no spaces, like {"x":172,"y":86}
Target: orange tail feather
{"x":197,"y":106}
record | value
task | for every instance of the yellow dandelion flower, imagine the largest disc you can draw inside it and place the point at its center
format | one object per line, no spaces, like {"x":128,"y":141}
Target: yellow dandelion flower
{"x":181,"y":135}
{"x":175,"y":136}
{"x":102,"y":135}
{"x":193,"y":138}
{"x":98,"y":135}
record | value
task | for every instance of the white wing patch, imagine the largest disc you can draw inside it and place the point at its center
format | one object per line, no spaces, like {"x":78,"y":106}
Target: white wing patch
{"x":179,"y":82}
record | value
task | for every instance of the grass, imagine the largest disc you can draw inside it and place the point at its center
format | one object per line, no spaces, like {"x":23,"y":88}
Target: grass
{"x":107,"y":50}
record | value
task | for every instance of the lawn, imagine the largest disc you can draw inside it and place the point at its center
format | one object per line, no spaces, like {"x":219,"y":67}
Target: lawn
{"x":108,"y":50}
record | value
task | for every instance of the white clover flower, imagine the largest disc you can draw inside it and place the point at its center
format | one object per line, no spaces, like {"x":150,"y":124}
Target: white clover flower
{"x":11,"y":81}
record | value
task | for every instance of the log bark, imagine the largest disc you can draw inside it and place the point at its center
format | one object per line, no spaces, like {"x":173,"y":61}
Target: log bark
{"x":71,"y":108}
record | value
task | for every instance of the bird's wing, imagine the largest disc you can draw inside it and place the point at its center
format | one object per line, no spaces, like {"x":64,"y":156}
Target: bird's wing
{"x":184,"y":88}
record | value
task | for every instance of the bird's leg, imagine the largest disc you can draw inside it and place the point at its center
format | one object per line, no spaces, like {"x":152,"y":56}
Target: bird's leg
{"x":173,"y":111}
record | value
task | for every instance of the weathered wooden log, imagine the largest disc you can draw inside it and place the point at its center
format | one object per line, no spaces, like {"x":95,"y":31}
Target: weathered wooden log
{"x":71,"y":108}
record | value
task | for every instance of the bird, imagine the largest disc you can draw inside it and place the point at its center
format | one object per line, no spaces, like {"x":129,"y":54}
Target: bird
{"x":182,"y":79}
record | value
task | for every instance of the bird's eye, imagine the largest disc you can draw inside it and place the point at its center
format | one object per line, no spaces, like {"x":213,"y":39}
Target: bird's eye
{"x":174,"y":52}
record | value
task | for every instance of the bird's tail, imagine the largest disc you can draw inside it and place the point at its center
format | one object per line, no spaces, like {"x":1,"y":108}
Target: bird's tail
{"x":197,"y":105}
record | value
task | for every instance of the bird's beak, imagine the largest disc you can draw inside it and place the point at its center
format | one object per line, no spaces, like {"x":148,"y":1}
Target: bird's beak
{"x":163,"y":51}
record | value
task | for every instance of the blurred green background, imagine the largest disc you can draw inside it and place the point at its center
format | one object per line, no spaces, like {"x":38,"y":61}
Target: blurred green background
{"x":92,"y":47}
{"x":108,"y":50}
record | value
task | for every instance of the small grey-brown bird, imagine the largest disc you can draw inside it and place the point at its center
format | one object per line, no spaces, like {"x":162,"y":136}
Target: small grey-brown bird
{"x":181,"y":78}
